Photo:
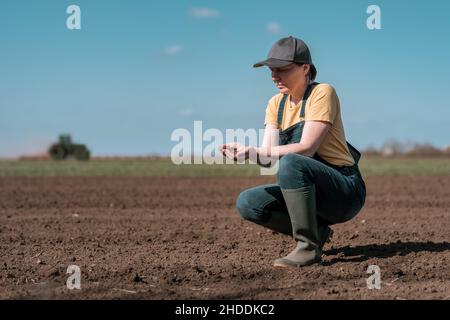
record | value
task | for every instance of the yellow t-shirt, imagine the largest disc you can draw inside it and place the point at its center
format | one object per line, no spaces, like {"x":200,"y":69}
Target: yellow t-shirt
{"x":322,"y":105}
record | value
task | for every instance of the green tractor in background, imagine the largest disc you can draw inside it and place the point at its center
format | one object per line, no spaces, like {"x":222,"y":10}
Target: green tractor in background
{"x":65,"y":149}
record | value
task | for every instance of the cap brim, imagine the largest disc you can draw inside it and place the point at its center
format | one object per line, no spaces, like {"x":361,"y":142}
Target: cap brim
{"x":273,"y":63}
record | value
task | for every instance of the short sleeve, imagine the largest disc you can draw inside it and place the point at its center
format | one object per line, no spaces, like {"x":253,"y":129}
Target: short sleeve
{"x":324,"y":104}
{"x":271,"y":111}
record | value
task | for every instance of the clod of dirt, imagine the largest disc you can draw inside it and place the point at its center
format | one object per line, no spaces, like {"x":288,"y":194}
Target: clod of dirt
{"x":354,"y":235}
{"x":333,"y":291}
{"x":176,"y":279}
{"x":399,"y":273}
{"x":137,"y":278}
{"x":58,"y":272}
{"x":199,"y":269}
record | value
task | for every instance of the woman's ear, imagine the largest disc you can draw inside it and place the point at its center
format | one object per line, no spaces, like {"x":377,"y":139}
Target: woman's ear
{"x":306,"y":69}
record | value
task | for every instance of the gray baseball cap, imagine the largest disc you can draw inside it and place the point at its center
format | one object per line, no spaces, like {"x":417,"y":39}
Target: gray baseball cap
{"x":286,"y":51}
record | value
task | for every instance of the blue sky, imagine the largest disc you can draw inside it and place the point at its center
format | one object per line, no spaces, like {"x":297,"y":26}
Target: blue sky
{"x":139,"y":69}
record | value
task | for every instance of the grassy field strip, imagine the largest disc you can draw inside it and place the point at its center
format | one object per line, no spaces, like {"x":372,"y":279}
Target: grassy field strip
{"x":164,"y":167}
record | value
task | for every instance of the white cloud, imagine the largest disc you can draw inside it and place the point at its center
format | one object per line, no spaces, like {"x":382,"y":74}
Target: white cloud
{"x":203,"y":13}
{"x":273,"y":28}
{"x":172,"y":50}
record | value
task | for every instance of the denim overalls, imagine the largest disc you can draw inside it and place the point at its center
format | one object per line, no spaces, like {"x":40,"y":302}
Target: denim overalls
{"x":340,"y":190}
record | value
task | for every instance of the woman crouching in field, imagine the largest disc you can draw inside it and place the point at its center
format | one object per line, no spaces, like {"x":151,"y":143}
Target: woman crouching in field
{"x":319,"y":182}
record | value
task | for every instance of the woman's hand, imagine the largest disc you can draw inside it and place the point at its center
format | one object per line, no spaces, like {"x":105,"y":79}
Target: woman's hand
{"x":236,"y":151}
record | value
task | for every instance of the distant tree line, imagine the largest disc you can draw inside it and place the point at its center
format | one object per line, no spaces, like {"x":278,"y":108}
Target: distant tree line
{"x":395,"y":148}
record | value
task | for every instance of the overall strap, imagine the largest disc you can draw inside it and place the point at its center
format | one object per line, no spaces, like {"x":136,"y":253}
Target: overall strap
{"x":281,"y":109}
{"x":302,"y":111}
{"x":305,"y":98}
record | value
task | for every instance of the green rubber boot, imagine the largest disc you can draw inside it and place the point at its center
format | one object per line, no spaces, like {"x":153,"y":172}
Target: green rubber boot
{"x":301,"y":205}
{"x":325,"y":235}
{"x":279,"y":222}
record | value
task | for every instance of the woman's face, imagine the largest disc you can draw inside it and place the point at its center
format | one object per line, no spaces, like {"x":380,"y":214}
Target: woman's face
{"x":290,"y":78}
